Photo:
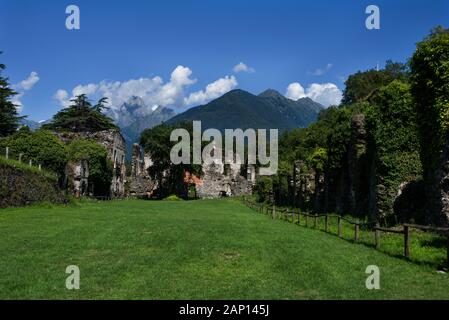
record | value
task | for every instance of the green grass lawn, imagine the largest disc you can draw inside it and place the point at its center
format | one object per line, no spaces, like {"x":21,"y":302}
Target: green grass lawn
{"x":209,"y":249}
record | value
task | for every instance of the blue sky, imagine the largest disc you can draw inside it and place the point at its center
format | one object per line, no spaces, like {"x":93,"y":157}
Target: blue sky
{"x":280,"y":42}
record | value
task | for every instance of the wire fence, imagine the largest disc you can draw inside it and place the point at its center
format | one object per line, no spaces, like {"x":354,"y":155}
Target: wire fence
{"x":23,"y":162}
{"x":9,"y":154}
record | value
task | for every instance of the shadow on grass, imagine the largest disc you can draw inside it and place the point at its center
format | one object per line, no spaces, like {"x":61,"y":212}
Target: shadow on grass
{"x":438,"y":243}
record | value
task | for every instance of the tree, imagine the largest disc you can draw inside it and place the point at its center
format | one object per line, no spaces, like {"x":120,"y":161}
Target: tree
{"x":430,"y":90}
{"x":80,"y":116}
{"x":362,"y":86}
{"x":9,"y":117}
{"x":101,"y":105}
{"x":156,"y":141}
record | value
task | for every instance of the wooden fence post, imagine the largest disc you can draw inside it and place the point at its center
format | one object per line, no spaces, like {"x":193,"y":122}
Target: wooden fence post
{"x":340,"y":231}
{"x":299,"y":216}
{"x":406,"y":242}
{"x":307,"y":219}
{"x":315,"y":221}
{"x":356,"y":231}
{"x":326,"y":223}
{"x":377,"y":237}
{"x":274,"y":212}
{"x":7,"y":153}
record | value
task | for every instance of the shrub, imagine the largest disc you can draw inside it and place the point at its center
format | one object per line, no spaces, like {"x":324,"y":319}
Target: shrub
{"x":41,"y":147}
{"x":173,"y":197}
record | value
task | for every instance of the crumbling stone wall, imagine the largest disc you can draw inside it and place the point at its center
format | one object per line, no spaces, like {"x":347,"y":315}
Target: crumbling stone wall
{"x":78,"y":178}
{"x":216,"y":183}
{"x":140,"y":183}
{"x":114,"y":143}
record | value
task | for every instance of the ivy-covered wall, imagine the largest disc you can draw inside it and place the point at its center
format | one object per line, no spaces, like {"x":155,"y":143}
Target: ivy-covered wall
{"x":20,"y":186}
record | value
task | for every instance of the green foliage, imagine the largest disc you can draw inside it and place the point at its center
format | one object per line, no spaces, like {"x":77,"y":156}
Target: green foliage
{"x":80,"y":116}
{"x":430,"y":89}
{"x":173,"y":197}
{"x":156,"y":141}
{"x":338,"y":139}
{"x":9,"y":117}
{"x":263,"y":188}
{"x":317,"y":159}
{"x":372,"y":134}
{"x":100,"y":167}
{"x":27,"y":168}
{"x":22,"y":185}
{"x":391,"y":123}
{"x":41,"y":147}
{"x":361,"y":86}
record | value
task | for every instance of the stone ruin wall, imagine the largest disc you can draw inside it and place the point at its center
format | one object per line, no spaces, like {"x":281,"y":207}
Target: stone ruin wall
{"x":216,"y":183}
{"x":141,"y":185}
{"x":114,"y":143}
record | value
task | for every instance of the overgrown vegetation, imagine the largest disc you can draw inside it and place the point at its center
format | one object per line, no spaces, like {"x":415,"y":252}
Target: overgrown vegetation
{"x":41,"y":147}
{"x":21,"y":184}
{"x":430,"y":88}
{"x":27,"y":168}
{"x":364,"y":156}
{"x":100,"y":167}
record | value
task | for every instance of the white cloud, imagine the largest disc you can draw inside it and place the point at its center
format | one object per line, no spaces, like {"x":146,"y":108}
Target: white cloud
{"x":295,"y":91}
{"x":16,"y":101}
{"x":22,"y":87}
{"x":87,"y":89}
{"x":321,"y":71}
{"x":241,"y":67}
{"x":62,"y":96}
{"x":213,"y":90}
{"x":29,"y":82}
{"x":153,"y":91}
{"x":325,"y":93}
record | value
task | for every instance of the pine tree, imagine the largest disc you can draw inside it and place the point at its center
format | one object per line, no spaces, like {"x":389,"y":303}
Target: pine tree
{"x":9,"y":117}
{"x":81,"y":116}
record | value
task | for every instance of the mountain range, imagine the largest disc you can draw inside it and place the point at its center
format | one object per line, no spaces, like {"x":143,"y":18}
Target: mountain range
{"x":241,"y":109}
{"x":134,"y":116}
{"x":235,"y":109}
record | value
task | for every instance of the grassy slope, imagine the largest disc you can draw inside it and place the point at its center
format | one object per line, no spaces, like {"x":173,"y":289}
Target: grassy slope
{"x":210,"y":249}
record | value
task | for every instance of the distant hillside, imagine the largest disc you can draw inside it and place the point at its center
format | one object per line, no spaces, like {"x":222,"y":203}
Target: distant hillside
{"x":33,"y":125}
{"x":241,"y":109}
